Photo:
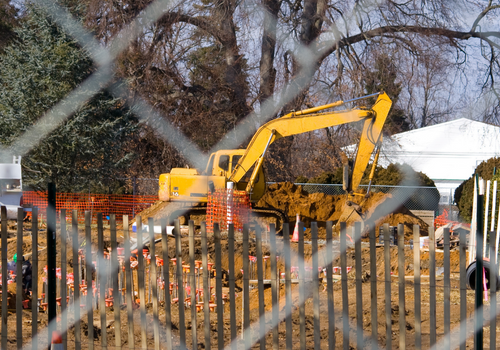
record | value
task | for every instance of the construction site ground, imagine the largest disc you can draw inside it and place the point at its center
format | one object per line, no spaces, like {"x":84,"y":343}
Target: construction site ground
{"x":315,"y":207}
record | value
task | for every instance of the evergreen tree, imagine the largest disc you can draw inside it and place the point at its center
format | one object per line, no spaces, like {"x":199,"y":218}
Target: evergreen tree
{"x":464,"y":194}
{"x":8,"y":20}
{"x":37,"y":70}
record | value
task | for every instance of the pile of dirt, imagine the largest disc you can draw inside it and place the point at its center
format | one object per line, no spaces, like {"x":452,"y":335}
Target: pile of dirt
{"x":378,"y":209}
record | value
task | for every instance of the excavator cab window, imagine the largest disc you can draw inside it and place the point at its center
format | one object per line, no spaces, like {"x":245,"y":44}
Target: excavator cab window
{"x":224,"y":162}
{"x":210,"y":165}
{"x":235,"y":161}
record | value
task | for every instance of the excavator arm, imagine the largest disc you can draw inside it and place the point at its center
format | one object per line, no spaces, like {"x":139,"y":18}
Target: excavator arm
{"x":309,"y":120}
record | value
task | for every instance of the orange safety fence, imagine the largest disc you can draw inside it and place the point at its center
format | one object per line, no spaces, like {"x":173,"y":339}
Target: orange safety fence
{"x":228,"y":206}
{"x":444,"y":219}
{"x":107,"y":204}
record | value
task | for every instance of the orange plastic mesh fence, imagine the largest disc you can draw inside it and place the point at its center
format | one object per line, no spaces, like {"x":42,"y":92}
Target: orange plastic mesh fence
{"x":96,"y":203}
{"x":228,"y":206}
{"x":444,"y":219}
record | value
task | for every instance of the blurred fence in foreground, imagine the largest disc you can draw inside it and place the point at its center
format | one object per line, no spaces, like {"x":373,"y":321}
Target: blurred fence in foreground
{"x":192,"y":289}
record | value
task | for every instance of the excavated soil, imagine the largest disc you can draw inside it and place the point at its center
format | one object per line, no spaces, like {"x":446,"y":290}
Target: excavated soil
{"x":378,"y":209}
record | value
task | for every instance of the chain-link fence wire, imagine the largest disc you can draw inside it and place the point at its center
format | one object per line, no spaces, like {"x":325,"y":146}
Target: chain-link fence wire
{"x":412,"y":197}
{"x":123,"y":185}
{"x":103,"y":58}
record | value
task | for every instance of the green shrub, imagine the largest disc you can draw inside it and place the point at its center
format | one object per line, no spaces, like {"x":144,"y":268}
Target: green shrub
{"x":301,"y":179}
{"x":465,"y":192}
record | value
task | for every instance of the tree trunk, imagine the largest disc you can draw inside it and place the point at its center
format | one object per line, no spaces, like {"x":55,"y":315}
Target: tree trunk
{"x":235,"y":76}
{"x":267,"y":70}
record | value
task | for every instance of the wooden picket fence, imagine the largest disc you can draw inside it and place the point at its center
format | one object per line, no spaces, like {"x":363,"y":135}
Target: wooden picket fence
{"x":138,"y":304}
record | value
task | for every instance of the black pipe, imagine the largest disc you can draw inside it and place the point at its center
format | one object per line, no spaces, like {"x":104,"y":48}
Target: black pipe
{"x":51,"y":257}
{"x":478,"y":335}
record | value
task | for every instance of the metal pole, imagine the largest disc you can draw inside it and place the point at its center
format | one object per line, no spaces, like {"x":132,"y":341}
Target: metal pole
{"x":51,"y":257}
{"x":478,"y":335}
{"x":451,"y":202}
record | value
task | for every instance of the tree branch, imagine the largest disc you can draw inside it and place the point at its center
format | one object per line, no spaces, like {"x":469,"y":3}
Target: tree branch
{"x":426,"y":31}
{"x":482,"y":14}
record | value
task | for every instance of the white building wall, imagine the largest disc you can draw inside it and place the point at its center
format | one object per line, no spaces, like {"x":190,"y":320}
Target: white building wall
{"x":448,"y":153}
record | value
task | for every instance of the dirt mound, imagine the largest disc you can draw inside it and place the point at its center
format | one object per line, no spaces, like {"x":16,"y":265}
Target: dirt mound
{"x":292,"y":200}
{"x":380,"y":208}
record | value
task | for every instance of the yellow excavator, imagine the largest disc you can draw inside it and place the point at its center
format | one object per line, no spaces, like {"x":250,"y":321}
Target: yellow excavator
{"x":243,"y":167}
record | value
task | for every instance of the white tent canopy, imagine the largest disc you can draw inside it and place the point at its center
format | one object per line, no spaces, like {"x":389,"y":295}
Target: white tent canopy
{"x":448,"y":152}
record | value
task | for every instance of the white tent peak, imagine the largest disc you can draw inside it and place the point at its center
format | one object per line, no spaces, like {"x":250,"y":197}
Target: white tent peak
{"x":448,"y":152}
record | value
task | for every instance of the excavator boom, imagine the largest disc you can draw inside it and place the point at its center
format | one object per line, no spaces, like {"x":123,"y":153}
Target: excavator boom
{"x":309,"y":120}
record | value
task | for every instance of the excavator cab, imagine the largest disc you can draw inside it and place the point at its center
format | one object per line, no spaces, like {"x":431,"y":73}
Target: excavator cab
{"x":223,"y":162}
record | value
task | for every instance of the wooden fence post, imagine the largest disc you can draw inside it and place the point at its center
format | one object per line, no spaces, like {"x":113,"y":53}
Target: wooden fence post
{"x":302,"y":288}
{"x":401,"y":285}
{"x":373,"y":285}
{"x":463,"y":290}
{"x":141,"y":281}
{"x":315,"y":280}
{"x":192,"y":283}
{"x":19,"y":279}
{"x":180,"y":283}
{"x":101,"y":271}
{"x":34,"y":277}
{"x":64,"y":274}
{"x":274,"y":287}
{"x":246,"y":286}
{"x":115,"y":270}
{"x":166,"y":280}
{"x":417,"y":287}
{"x":359,"y":286}
{"x":154,"y":282}
{"x":5,"y":260}
{"x":128,"y":284}
{"x":206,"y":283}
{"x":260,"y":279}
{"x":345,"y":298}
{"x":88,"y":280}
{"x":288,"y":287}
{"x":76,"y":274}
{"x":432,"y":286}
{"x":387,"y":266}
{"x":329,"y":285}
{"x":447,"y":285}
{"x":493,"y":289}
{"x":232,"y":287}
{"x":218,"y":288}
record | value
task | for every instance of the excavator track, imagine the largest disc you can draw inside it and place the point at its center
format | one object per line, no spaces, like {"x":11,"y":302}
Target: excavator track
{"x":185,"y":214}
{"x":280,"y":216}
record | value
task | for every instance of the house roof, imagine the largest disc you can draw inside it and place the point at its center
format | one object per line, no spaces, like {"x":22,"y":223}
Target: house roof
{"x":448,"y":151}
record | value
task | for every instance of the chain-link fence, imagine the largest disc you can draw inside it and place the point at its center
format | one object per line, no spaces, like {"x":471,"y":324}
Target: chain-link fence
{"x":412,"y":197}
{"x":315,"y":46}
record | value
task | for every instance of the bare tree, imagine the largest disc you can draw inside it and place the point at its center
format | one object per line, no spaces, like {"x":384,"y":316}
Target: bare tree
{"x":207,"y":64}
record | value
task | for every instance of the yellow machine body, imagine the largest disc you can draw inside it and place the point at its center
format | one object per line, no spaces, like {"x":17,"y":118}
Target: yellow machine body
{"x":188,"y":185}
{"x":244,"y":168}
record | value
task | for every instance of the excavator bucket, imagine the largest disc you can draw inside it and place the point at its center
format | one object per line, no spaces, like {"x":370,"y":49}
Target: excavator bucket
{"x":351,"y":213}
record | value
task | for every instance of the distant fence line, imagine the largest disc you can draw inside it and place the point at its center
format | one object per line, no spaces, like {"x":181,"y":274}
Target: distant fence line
{"x":413,"y":197}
